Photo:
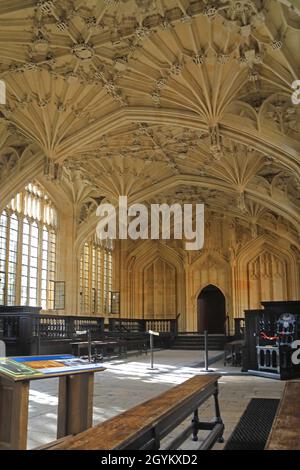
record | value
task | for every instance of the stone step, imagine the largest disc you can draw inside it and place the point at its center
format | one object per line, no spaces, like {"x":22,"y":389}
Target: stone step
{"x":196,"y":342}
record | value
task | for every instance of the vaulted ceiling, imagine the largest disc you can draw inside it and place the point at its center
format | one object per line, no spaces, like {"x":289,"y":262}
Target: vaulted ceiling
{"x":157,"y":99}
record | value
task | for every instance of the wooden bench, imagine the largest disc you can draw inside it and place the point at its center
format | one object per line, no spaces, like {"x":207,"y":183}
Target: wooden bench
{"x":285,"y":432}
{"x":144,"y":426}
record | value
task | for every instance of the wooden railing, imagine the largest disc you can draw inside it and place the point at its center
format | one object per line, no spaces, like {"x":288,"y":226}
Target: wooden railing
{"x":26,"y":331}
{"x":161,"y":325}
{"x":126,"y":325}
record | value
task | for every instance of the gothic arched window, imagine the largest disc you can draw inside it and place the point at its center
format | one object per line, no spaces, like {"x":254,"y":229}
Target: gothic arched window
{"x":95,"y":278}
{"x":27,"y":249}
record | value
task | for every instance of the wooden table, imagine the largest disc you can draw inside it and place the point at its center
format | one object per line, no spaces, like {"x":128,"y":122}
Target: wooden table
{"x":285,"y":432}
{"x":103,"y":346}
{"x":75,"y":404}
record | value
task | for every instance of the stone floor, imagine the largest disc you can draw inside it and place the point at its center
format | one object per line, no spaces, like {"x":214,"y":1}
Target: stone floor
{"x":126,"y":383}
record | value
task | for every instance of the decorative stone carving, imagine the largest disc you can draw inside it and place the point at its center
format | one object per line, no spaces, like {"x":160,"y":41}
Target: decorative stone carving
{"x":31,"y":66}
{"x":210,"y":10}
{"x":266,"y":274}
{"x":166,"y":24}
{"x":253,"y":76}
{"x":254,"y":230}
{"x":175,"y":69}
{"x":52,"y":171}
{"x":46,"y":6}
{"x":243,"y":13}
{"x":186,"y":19}
{"x":223,"y":58}
{"x":91,"y":22}
{"x":241,"y":202}
{"x":199,"y":58}
{"x":155,"y":95}
{"x":142,"y":33}
{"x":40,"y":43}
{"x":276,"y":45}
{"x":161,"y":82}
{"x":146,"y":5}
{"x":83,"y":51}
{"x":62,"y":24}
{"x":112,"y":2}
{"x":215,"y":142}
{"x":87,"y":210}
{"x":8,"y":163}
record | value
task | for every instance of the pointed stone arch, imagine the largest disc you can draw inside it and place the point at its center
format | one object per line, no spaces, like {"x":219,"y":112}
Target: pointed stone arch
{"x":153,"y":285}
{"x":17,"y":180}
{"x":209,"y":268}
{"x":84,"y":232}
{"x":266,"y":270}
{"x":211,"y":313}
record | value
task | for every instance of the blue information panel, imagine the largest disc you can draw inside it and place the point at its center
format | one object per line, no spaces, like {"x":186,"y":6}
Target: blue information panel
{"x":57,"y":364}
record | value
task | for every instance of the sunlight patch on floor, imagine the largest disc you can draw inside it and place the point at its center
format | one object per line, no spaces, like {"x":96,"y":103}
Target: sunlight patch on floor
{"x":42,"y":398}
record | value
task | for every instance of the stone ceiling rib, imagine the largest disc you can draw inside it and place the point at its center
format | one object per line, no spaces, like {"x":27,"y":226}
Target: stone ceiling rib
{"x":131,"y":96}
{"x":11,"y":6}
{"x":189,"y":181}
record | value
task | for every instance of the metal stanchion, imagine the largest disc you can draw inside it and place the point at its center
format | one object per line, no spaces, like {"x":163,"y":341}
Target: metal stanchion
{"x":206,"y":369}
{"x":206,"y":350}
{"x":152,"y":334}
{"x":89,"y":344}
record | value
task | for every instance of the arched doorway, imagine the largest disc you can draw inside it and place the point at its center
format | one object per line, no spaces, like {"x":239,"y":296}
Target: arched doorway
{"x":211,"y":310}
